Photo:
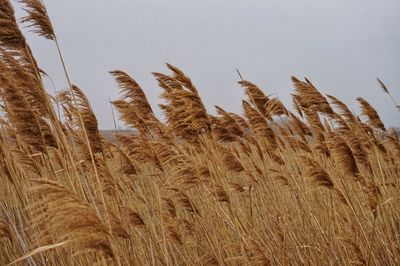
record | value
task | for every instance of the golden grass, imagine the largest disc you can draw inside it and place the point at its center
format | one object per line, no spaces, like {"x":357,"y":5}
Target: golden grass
{"x":271,"y":187}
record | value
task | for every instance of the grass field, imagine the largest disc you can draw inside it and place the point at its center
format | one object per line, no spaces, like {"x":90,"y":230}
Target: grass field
{"x":312,"y":185}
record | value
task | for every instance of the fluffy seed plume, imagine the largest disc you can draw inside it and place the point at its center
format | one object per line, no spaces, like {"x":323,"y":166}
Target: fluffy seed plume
{"x":275,"y":107}
{"x":135,"y":108}
{"x":78,"y":108}
{"x":83,"y":227}
{"x":256,"y":97}
{"x":373,"y":117}
{"x":317,"y":173}
{"x":344,"y":157}
{"x":344,"y":110}
{"x":309,"y":97}
{"x":258,"y":124}
{"x":10,"y":37}
{"x":186,"y":115}
{"x":27,"y":124}
{"x":230,"y":161}
{"x":37,"y":18}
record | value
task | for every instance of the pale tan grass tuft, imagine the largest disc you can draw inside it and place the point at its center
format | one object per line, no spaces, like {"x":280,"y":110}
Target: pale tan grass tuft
{"x":85,"y":230}
{"x":37,"y":18}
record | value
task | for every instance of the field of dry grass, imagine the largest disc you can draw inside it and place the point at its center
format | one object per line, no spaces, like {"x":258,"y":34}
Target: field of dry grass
{"x":319,"y":187}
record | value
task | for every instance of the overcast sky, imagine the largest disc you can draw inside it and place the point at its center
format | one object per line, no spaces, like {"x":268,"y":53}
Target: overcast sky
{"x":340,"y":45}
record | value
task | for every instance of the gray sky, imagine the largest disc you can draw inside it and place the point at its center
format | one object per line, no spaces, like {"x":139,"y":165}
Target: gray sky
{"x":340,"y":45}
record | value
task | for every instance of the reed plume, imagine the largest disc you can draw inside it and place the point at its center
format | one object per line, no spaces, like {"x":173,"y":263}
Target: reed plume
{"x":85,"y":232}
{"x":10,"y":37}
{"x":37,"y":18}
{"x":318,"y":175}
{"x":258,"y":124}
{"x":344,"y":157}
{"x":373,"y":117}
{"x":230,"y":161}
{"x":22,"y":117}
{"x":134,"y":218}
{"x":219,"y":194}
{"x":386,"y":90}
{"x":275,"y":107}
{"x":232,"y":122}
{"x":134,"y":106}
{"x":344,"y":110}
{"x":127,"y":113}
{"x":299,"y":127}
{"x":185,"y":111}
{"x":318,"y":130}
{"x":220,"y":131}
{"x":383,"y":86}
{"x":309,"y":97}
{"x":297,"y":104}
{"x":127,"y":166}
{"x":82,"y":110}
{"x":256,"y":97}
{"x":24,"y":80}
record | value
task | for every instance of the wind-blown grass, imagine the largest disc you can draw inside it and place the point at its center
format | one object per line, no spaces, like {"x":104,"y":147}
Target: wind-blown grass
{"x":269,"y":187}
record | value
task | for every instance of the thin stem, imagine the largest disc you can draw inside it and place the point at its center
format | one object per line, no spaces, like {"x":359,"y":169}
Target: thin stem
{"x":84,"y":132}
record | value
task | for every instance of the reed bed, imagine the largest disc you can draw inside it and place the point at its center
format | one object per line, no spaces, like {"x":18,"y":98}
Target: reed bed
{"x":315,"y":184}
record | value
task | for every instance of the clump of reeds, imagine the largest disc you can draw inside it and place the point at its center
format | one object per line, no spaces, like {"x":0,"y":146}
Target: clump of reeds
{"x":270,"y":186}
